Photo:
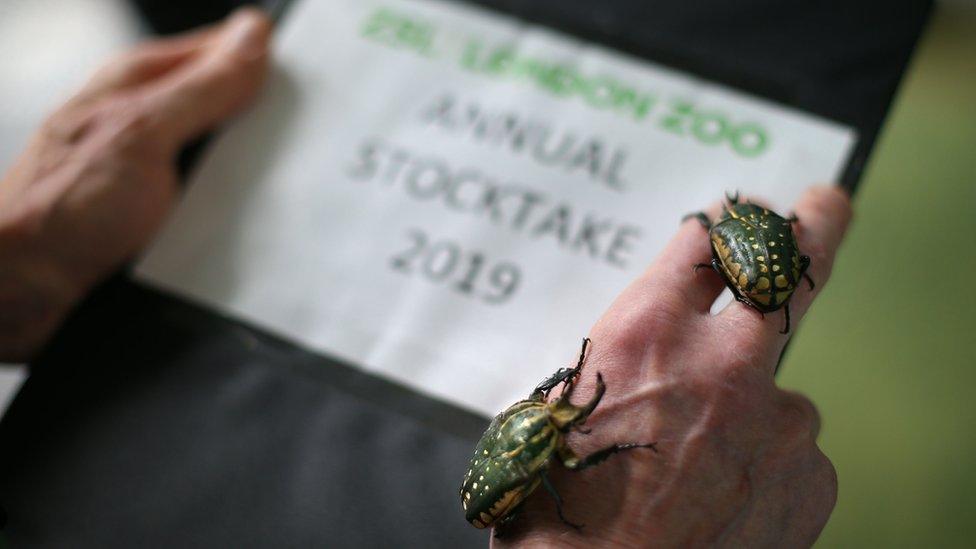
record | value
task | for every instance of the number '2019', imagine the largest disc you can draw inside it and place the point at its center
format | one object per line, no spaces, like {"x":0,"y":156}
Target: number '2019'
{"x":466,"y":272}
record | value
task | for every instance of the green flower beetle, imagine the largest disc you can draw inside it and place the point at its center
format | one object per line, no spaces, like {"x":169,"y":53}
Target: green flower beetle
{"x":755,"y":252}
{"x":521,"y":444}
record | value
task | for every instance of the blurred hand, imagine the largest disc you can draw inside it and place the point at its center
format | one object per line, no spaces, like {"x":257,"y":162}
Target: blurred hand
{"x":99,"y":177}
{"x":738,"y":464}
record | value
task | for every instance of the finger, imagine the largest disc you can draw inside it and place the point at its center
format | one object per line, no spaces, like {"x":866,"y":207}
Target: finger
{"x":672,"y":280}
{"x":217,"y":83}
{"x":799,"y":415}
{"x":698,"y":288}
{"x":146,"y":62}
{"x":824,"y":213}
{"x":668,"y":291}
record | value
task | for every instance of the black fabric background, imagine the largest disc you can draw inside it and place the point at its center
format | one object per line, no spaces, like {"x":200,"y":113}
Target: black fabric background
{"x":151,"y":422}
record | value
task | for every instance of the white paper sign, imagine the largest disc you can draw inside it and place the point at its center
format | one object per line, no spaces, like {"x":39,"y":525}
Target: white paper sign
{"x":450,"y":198}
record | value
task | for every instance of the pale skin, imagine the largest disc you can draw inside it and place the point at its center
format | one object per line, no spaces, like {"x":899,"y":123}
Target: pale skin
{"x":737,"y":461}
{"x":99,"y":177}
{"x":737,"y":464}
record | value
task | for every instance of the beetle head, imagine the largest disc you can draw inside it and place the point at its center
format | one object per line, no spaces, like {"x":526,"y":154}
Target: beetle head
{"x":565,"y":415}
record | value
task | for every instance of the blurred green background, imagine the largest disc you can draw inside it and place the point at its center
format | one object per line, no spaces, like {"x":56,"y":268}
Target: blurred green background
{"x":886,"y":352}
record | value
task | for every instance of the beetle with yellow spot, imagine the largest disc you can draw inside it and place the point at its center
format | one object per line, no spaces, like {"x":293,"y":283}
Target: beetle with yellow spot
{"x":755,"y":252}
{"x":521,"y":444}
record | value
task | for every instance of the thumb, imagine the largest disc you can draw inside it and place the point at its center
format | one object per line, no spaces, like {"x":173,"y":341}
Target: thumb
{"x":217,"y":83}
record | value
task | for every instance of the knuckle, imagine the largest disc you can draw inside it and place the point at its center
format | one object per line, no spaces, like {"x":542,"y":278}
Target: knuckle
{"x":831,"y":200}
{"x":110,"y":125}
{"x":128,"y":125}
{"x":827,"y":478}
{"x":120,"y":68}
{"x":820,"y":476}
{"x":736,"y":392}
{"x":819,"y":255}
{"x":226,"y":68}
{"x":125,"y":63}
{"x":745,"y":355}
{"x":821,"y":261}
{"x":114,"y":65}
{"x":129,"y":68}
{"x":636,"y":326}
{"x":233,"y":67}
{"x":800,"y":415}
{"x":67,"y":124}
{"x":659,"y":319}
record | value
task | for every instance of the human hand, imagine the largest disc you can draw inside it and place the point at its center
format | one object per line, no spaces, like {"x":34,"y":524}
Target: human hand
{"x":737,"y":461}
{"x":99,"y":177}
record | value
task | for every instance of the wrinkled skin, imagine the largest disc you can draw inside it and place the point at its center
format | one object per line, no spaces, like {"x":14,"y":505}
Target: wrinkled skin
{"x":738,"y":464}
{"x":99,"y":177}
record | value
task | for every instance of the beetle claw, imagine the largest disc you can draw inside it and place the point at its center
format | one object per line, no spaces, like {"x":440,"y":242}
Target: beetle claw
{"x":786,"y":310}
{"x":566,"y":376}
{"x":804,"y":266}
{"x":810,"y":281}
{"x":600,"y":455}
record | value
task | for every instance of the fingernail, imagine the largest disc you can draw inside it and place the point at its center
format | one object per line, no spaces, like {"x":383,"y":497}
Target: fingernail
{"x":247,"y":32}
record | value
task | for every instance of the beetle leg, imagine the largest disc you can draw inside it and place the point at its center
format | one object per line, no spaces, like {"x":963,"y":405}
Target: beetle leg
{"x":582,"y":357}
{"x":714,"y":265}
{"x":735,"y":291}
{"x":786,"y":310}
{"x":804,"y":265}
{"x":547,"y":385}
{"x":793,"y":218}
{"x":563,"y":375}
{"x":600,"y":455}
{"x":559,"y":501}
{"x":587,"y":409}
{"x":701,"y":217}
{"x":725,"y":211}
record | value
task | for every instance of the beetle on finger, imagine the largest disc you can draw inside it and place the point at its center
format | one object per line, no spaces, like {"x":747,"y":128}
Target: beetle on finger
{"x":755,"y":251}
{"x":521,"y":444}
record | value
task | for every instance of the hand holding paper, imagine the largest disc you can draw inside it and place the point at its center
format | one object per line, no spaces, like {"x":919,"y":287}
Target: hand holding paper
{"x":99,"y":177}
